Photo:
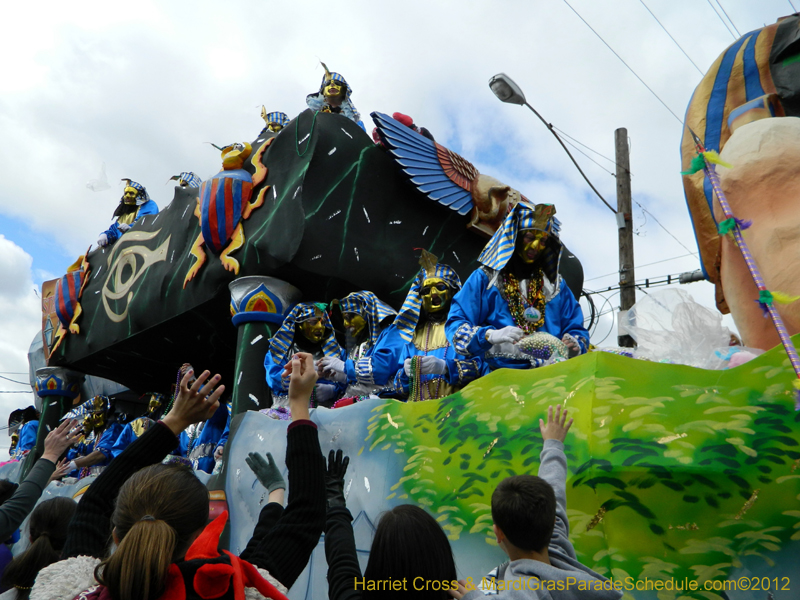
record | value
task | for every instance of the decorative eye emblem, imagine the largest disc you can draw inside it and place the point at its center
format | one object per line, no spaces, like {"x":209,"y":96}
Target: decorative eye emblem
{"x":125,"y":269}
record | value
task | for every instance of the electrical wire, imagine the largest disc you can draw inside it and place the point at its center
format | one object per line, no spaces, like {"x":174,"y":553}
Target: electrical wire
{"x":792,"y":5}
{"x":14,"y":392}
{"x":590,"y":158}
{"x":667,"y":230}
{"x":729,"y":18}
{"x":565,"y":134}
{"x":721,"y":19}
{"x":572,"y":158}
{"x":15,"y":381}
{"x":641,"y":266}
{"x":672,"y":38}
{"x":626,"y":64}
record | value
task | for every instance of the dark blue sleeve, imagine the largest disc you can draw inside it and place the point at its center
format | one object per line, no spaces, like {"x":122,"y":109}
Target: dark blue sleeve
{"x":27,"y":436}
{"x":275,"y":380}
{"x":571,"y":316}
{"x":467,"y":315}
{"x":383,"y":358}
{"x":123,"y":441}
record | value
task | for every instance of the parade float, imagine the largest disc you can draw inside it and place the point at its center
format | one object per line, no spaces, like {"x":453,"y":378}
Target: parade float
{"x":675,"y":472}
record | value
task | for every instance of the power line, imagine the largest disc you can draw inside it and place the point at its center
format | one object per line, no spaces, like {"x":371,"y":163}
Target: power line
{"x":721,"y":19}
{"x":672,"y":38}
{"x":729,"y":18}
{"x":792,"y":5}
{"x":665,"y":229}
{"x":626,"y":64}
{"x":14,"y":392}
{"x":590,"y":158}
{"x":565,"y":134}
{"x":640,"y":266}
{"x":15,"y":381}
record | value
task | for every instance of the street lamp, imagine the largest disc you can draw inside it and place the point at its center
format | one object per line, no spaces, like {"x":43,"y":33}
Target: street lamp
{"x":508,"y":91}
{"x":504,"y":88}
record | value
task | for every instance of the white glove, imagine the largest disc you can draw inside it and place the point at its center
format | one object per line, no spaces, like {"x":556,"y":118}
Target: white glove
{"x":571,"y":342}
{"x":325,"y":392}
{"x":72,"y":466}
{"x":508,"y":334}
{"x":218,"y":452}
{"x":332,"y":368}
{"x":429,"y":365}
{"x":123,"y":227}
{"x":102,"y":240}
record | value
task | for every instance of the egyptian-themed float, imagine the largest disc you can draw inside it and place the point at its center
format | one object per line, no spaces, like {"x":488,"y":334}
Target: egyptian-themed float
{"x":440,"y":305}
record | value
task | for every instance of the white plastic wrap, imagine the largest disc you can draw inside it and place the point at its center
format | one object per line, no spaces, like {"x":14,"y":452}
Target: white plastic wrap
{"x":669,"y":326}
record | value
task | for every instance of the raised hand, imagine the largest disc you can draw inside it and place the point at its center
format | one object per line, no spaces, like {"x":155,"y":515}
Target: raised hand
{"x":59,"y":439}
{"x":194,"y":404}
{"x":334,"y":478}
{"x":302,"y":378}
{"x":555,"y":428}
{"x":266,"y":471}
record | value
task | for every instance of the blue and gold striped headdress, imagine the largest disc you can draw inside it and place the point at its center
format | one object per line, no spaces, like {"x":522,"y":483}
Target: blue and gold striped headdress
{"x":523,"y":216}
{"x":96,"y":404}
{"x":143,"y":196}
{"x":408,"y":317}
{"x":188,"y":178}
{"x":336,"y":77}
{"x":280,"y":118}
{"x":281,"y":342}
{"x":368,"y":306}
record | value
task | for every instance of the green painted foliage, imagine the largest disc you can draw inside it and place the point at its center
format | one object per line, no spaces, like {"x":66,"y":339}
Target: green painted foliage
{"x":673,"y":471}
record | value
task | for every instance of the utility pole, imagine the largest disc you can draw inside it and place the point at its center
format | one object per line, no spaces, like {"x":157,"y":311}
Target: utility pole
{"x":627,"y":292}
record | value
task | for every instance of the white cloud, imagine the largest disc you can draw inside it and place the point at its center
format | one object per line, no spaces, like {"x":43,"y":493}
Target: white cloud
{"x":20,"y":319}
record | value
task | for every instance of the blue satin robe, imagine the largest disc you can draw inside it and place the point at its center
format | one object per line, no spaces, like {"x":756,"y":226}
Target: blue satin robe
{"x":476,"y":309}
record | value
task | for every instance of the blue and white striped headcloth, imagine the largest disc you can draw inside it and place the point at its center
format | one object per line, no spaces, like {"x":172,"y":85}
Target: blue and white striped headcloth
{"x":143,"y":195}
{"x":280,"y":118}
{"x":408,"y":317}
{"x":523,"y":216}
{"x":336,"y":77}
{"x":368,"y":306}
{"x":281,"y":342}
{"x":187,"y":177}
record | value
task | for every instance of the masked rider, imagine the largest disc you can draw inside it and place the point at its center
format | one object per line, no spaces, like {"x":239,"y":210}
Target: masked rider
{"x":307,"y":328}
{"x":516,"y":292}
{"x":134,"y":429}
{"x":135,"y":203}
{"x":429,"y":367}
{"x":334,"y":97}
{"x":372,"y":346}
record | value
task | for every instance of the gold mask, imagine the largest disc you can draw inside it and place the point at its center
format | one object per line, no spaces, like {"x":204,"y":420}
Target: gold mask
{"x":333,"y":89}
{"x":435,"y":293}
{"x":530,"y":244}
{"x":313,"y":330}
{"x":354,"y":323}
{"x":130,"y":194}
{"x":274,"y":127}
{"x":154,"y":404}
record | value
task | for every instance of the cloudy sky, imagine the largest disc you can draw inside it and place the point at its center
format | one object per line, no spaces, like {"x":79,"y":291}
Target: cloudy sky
{"x":88,"y":88}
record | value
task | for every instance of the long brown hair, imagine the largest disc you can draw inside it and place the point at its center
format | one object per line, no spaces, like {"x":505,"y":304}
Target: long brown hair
{"x":157,"y":512}
{"x":48,"y":532}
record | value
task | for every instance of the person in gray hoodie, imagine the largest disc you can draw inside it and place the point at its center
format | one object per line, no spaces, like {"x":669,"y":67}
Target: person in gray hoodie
{"x":531,"y":525}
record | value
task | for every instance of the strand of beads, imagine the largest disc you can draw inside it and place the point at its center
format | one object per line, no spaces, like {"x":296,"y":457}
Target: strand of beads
{"x":516,"y":303}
